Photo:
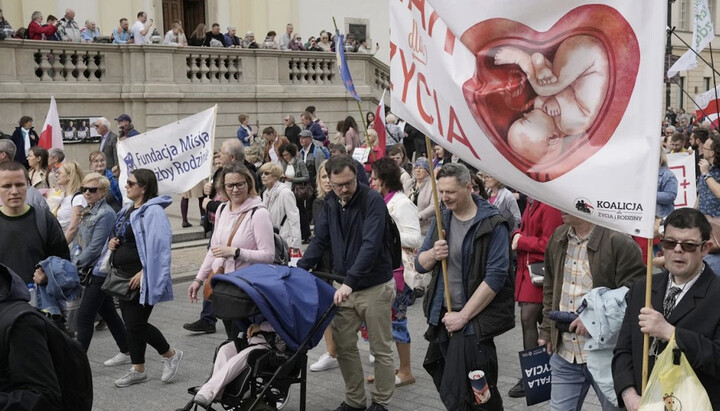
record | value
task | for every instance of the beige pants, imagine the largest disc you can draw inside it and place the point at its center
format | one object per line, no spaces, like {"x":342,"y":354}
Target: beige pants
{"x":371,"y":306}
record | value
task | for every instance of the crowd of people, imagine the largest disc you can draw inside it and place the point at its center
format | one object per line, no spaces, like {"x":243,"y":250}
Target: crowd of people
{"x":305,"y":184}
{"x":142,"y":32}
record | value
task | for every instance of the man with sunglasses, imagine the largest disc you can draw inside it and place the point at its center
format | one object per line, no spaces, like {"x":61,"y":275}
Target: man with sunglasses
{"x":684,"y":304}
{"x":580,"y":257}
{"x":347,"y":226}
{"x":292,"y":130}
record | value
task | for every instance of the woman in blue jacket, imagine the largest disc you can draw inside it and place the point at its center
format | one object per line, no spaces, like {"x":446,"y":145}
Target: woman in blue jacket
{"x":667,"y":188}
{"x":96,"y":225}
{"x":141,"y":244}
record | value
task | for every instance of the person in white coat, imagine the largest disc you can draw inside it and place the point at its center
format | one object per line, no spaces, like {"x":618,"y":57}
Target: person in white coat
{"x":386,"y":180}
{"x":281,"y":204}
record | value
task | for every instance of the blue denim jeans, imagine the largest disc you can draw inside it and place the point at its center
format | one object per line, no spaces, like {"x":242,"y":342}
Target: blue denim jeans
{"x":206,"y":313}
{"x":570,"y":384}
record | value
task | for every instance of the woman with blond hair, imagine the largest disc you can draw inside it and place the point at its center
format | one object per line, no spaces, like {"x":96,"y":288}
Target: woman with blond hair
{"x":67,"y":202}
{"x":273,"y":142}
{"x":281,"y":204}
{"x":96,"y":225}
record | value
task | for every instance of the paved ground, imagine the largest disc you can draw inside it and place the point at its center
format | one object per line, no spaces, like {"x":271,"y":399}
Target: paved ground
{"x":325,"y":389}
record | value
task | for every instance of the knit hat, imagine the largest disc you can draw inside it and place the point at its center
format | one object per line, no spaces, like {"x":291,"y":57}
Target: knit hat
{"x":423,"y":162}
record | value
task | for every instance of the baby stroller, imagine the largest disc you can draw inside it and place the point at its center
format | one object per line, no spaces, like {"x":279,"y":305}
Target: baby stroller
{"x":297,"y":304}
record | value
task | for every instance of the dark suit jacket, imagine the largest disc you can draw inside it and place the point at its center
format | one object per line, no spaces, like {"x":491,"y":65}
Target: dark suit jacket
{"x":17,"y":138}
{"x":110,"y":150}
{"x":697,"y":332}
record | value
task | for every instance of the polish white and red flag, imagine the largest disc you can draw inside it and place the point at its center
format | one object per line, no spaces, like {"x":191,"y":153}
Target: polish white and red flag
{"x":557,"y":99}
{"x":708,"y":106}
{"x":51,"y":135}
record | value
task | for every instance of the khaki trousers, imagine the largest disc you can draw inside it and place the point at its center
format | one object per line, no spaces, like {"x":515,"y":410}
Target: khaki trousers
{"x":371,"y":306}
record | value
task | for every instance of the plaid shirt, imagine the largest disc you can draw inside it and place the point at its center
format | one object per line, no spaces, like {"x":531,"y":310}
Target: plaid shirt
{"x":577,"y":282}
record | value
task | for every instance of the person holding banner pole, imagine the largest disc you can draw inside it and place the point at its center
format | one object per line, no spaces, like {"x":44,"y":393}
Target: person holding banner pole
{"x":478,"y":293}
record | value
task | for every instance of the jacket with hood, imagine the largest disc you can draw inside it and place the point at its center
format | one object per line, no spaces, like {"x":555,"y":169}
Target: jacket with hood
{"x":254,"y":237}
{"x":63,"y":285}
{"x":153,"y":236}
{"x":26,"y":383}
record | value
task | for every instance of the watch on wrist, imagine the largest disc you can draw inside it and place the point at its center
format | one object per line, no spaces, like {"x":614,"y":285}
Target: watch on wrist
{"x":706,"y":176}
{"x":237,"y":253}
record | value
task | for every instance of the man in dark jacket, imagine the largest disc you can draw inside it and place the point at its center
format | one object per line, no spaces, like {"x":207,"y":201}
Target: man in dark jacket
{"x":684,"y":304}
{"x":348,"y":226}
{"x":126,"y":127}
{"x":24,"y":138}
{"x":27,"y":378}
{"x":28,"y":235}
{"x":477,"y":250}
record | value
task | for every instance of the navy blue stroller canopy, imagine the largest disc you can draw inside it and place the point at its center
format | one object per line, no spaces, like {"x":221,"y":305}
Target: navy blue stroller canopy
{"x":291,"y":299}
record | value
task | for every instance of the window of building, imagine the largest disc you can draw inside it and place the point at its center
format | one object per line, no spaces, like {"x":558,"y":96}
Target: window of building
{"x":706,"y":83}
{"x":684,"y":15}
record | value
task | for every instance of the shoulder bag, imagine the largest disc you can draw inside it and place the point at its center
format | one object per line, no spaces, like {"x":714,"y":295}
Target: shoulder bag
{"x":207,"y":290}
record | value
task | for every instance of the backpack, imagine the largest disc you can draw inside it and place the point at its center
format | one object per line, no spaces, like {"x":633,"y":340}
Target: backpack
{"x":324,"y":149}
{"x":69,"y":359}
{"x":391,"y":238}
{"x":282,"y":251}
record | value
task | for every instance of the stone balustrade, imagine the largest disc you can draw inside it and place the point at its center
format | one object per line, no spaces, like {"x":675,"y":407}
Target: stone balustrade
{"x":157,"y":84}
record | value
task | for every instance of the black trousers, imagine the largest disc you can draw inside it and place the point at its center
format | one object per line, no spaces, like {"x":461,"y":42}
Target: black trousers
{"x":140,"y":332}
{"x":305,"y":209}
{"x":95,"y":301}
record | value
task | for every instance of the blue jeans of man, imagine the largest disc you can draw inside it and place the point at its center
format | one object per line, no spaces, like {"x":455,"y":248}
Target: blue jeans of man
{"x":570,"y":384}
{"x":206,"y":314}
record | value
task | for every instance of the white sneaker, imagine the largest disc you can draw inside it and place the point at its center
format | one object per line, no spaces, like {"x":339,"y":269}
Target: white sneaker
{"x":326,"y":362}
{"x":132,"y":377}
{"x":119,"y":359}
{"x":371,"y":358}
{"x":170,"y":366}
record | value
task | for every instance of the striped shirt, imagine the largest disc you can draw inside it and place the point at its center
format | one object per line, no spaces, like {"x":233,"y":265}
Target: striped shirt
{"x":577,"y":282}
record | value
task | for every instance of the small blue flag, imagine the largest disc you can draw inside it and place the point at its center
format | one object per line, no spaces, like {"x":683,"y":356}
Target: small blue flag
{"x":342,"y":65}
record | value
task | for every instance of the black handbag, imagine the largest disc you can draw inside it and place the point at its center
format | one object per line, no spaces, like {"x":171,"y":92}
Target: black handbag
{"x":117,"y":284}
{"x":303,"y":192}
{"x":537,"y":273}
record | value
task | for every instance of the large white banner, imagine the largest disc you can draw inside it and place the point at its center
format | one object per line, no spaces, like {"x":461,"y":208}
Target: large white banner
{"x":683,"y":166}
{"x":180,"y":154}
{"x":558,"y":99}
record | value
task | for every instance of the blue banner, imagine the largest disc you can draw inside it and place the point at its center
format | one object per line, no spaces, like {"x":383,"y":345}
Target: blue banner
{"x":535,"y":367}
{"x":342,"y":65}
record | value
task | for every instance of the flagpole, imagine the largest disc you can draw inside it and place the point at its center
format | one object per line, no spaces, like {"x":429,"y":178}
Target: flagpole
{"x":712,"y":62}
{"x":360,"y":110}
{"x":438,"y":223}
{"x":648,"y":303}
{"x":212,"y":149}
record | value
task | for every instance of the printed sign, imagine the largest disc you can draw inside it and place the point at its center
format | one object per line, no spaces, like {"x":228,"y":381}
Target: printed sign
{"x":535,"y":367}
{"x":683,"y":166}
{"x":180,"y":154}
{"x":545,"y":96}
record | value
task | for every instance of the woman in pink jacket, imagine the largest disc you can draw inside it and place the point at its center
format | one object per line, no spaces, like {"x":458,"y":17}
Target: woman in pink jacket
{"x":245,"y":219}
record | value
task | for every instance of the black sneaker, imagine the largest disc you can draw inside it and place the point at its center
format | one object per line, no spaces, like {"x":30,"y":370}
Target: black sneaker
{"x":518,"y":390}
{"x":345,"y":407}
{"x":377,"y":407}
{"x":200,"y":326}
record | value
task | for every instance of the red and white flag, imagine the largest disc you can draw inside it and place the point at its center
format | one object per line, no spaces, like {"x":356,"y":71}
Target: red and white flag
{"x":379,"y":125}
{"x":709,"y":106}
{"x":499,"y":87}
{"x":51,"y":135}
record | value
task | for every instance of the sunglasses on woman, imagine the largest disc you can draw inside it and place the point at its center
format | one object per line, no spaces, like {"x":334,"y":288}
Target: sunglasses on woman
{"x":92,"y":190}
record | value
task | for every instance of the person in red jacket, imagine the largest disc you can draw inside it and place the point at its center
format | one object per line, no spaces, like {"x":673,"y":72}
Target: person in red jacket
{"x":36,"y":30}
{"x":537,"y":225}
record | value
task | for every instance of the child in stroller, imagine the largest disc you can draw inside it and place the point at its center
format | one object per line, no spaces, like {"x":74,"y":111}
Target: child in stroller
{"x":287,"y":308}
{"x":231,"y":360}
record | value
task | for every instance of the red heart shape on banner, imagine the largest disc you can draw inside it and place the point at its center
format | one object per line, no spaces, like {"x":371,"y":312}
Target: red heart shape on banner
{"x":550,"y":100}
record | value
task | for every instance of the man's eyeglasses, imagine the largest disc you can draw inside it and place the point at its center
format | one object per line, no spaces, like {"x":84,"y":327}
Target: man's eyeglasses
{"x":687,"y":247}
{"x":92,"y":190}
{"x":233,"y":186}
{"x":340,"y":186}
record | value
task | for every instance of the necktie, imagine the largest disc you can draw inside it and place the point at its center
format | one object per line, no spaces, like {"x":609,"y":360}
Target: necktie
{"x":669,"y":302}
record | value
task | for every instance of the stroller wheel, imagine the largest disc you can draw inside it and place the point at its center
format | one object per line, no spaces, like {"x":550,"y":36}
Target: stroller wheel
{"x":281,"y":396}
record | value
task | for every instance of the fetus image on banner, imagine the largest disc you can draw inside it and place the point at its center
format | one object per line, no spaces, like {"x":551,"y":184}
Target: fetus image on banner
{"x":570,"y":91}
